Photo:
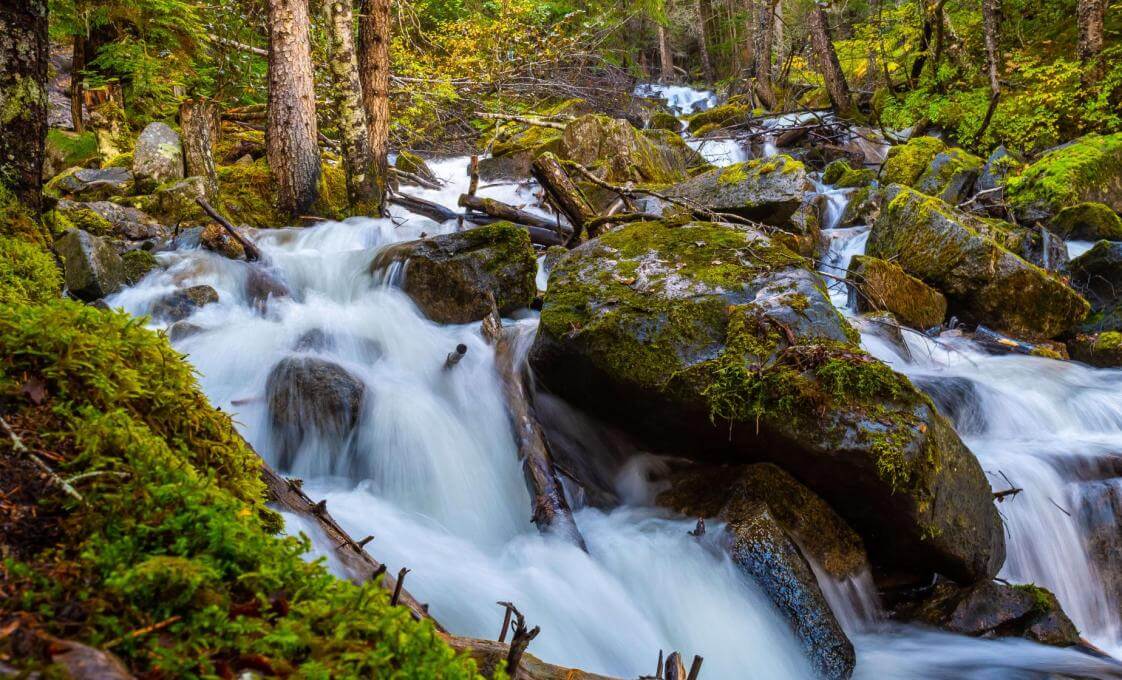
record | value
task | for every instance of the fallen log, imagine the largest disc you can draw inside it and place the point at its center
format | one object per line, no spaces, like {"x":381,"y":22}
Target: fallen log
{"x":406,"y":177}
{"x":563,"y":193}
{"x":502,"y":211}
{"x":252,"y":253}
{"x":551,"y":512}
{"x":521,"y":119}
{"x":995,"y":342}
{"x":431,"y":210}
{"x":488,"y":654}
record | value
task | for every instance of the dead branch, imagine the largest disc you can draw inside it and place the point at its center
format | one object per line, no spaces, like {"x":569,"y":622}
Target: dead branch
{"x":564,"y":194}
{"x":19,"y":446}
{"x":252,"y":254}
{"x":521,"y":119}
{"x":502,"y":211}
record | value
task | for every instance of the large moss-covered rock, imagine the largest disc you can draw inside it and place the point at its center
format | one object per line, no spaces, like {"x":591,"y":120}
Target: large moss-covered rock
{"x":453,"y":277}
{"x":1088,"y":169}
{"x":91,"y":184}
{"x":767,"y":190}
{"x":66,"y":149}
{"x":991,"y":609}
{"x":906,"y":163}
{"x":1097,"y":274}
{"x":176,"y":202}
{"x":92,"y":268}
{"x":983,"y":282}
{"x":1097,"y":349}
{"x":158,"y":156}
{"x":928,"y":165}
{"x":627,"y":154}
{"x":718,"y":344}
{"x":1088,"y":222}
{"x":719,"y":116}
{"x":882,"y":285}
{"x":105,"y":218}
{"x":138,"y":263}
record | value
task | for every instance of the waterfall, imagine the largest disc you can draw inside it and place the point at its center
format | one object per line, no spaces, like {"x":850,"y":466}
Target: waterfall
{"x":431,"y":471}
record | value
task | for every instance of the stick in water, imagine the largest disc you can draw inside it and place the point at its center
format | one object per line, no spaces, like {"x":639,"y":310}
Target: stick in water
{"x":252,"y":254}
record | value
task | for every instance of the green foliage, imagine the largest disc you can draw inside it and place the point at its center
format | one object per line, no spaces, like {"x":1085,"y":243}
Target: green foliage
{"x":28,"y":273}
{"x":172,"y":527}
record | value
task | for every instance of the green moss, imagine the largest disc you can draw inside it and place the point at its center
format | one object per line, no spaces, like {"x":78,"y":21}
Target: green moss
{"x":71,"y":149}
{"x":718,"y":117}
{"x":247,"y":194}
{"x":137,"y":263}
{"x":1088,"y":221}
{"x":172,"y":526}
{"x":23,"y":95}
{"x":19,"y":222}
{"x":28,"y":273}
{"x":332,"y":201}
{"x":121,"y":160}
{"x":1043,"y":601}
{"x":411,"y":162}
{"x":1070,"y":174}
{"x":663,"y":120}
{"x":906,"y":163}
{"x":835,"y":171}
{"x":856,"y":178}
{"x":78,"y":217}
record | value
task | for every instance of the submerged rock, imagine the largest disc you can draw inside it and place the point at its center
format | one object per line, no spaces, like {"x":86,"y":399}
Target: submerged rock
{"x":1088,"y":169}
{"x":453,"y":278}
{"x":310,"y":397}
{"x":983,"y":282}
{"x":882,"y":285}
{"x":715,"y":341}
{"x":991,"y":609}
{"x":182,"y":303}
{"x":215,"y":239}
{"x":158,"y":156}
{"x":766,"y":190}
{"x":91,"y":267}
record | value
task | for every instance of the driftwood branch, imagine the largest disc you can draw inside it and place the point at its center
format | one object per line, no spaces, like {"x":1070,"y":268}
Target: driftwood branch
{"x":455,"y":356}
{"x":431,"y":210}
{"x":520,"y":640}
{"x":252,"y":253}
{"x":551,"y":511}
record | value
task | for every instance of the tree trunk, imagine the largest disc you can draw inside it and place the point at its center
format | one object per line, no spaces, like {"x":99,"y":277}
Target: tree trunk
{"x":198,"y":119}
{"x":827,"y":58}
{"x":291,"y":135}
{"x":1091,"y":15}
{"x":77,"y":65}
{"x":991,"y":22}
{"x":761,"y":51}
{"x":350,"y":116}
{"x":23,"y":98}
{"x":563,"y":193}
{"x":665,"y":57}
{"x":704,"y":10}
{"x":374,"y":72}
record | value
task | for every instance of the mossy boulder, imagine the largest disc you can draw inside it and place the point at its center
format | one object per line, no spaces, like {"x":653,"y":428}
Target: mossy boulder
{"x":66,"y":149}
{"x":716,"y":343}
{"x":92,"y":268}
{"x":1097,"y":274}
{"x":625,"y":153}
{"x":91,"y":184}
{"x":982,"y":281}
{"x":990,"y":609}
{"x":950,"y":176}
{"x":880,"y":285}
{"x":1088,"y":169}
{"x":863,"y":207}
{"x":1087,"y":222}
{"x":907,"y":162}
{"x":1097,"y":349}
{"x":138,"y":262}
{"x":182,"y":303}
{"x":158,"y":157}
{"x":104,"y":218}
{"x":719,"y":116}
{"x":767,"y":190}
{"x":28,"y":273}
{"x":1000,"y":165}
{"x":175,"y":202}
{"x":453,"y":278}
{"x":664,"y":120}
{"x":842,"y":175}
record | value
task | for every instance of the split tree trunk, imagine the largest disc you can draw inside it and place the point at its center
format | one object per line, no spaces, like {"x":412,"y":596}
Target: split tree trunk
{"x":828,"y":64}
{"x":23,"y":98}
{"x":991,"y":22}
{"x":704,"y":9}
{"x":665,"y":57}
{"x":1091,"y":16}
{"x":762,"y":43}
{"x":374,"y":72}
{"x":291,"y":133}
{"x":563,"y":193}
{"x":362,"y":192}
{"x":198,"y":119}
{"x":77,"y":65}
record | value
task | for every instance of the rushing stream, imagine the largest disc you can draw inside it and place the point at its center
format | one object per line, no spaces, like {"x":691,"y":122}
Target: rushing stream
{"x":431,"y":471}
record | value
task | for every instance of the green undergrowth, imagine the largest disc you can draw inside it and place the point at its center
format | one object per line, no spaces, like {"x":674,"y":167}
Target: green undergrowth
{"x":28,"y":273}
{"x":170,"y":558}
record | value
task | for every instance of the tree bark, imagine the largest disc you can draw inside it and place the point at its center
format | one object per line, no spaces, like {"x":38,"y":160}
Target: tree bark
{"x":362,"y":191}
{"x":665,"y":57}
{"x":374,"y":72}
{"x":23,"y":98}
{"x":198,"y":119}
{"x":762,"y":43}
{"x":827,"y":58}
{"x":991,"y":22}
{"x":291,"y":132}
{"x":563,"y":193}
{"x":1091,"y":16}
{"x":704,"y":10}
{"x":502,"y":211}
{"x":77,"y":65}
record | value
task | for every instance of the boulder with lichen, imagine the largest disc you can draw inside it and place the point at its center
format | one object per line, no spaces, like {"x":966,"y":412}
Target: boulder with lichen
{"x":879,"y":285}
{"x":1087,"y":169}
{"x":92,"y":268}
{"x":1087,"y":222}
{"x":768,"y":190}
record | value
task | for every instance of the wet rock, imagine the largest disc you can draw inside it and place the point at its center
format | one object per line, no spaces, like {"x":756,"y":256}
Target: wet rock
{"x":105,"y":217}
{"x":91,"y":184}
{"x":183,"y":329}
{"x":314,"y":340}
{"x":991,"y":609}
{"x":982,"y":281}
{"x":311,"y":398}
{"x":957,"y":398}
{"x":719,"y":116}
{"x":766,"y":190}
{"x":626,"y":154}
{"x":1097,"y":349}
{"x":453,"y":277}
{"x":1100,"y":513}
{"x":412,"y":163}
{"x":262,"y":286}
{"x":1097,"y":274}
{"x":990,"y":185}
{"x":1088,"y":169}
{"x":717,"y":343}
{"x":182,"y":303}
{"x":863,"y":207}
{"x":950,"y":176}
{"x":1088,"y":222}
{"x":137,"y":264}
{"x":906,"y":163}
{"x":761,"y":548}
{"x":731,"y":492}
{"x":842,"y":175}
{"x":91,"y":267}
{"x":158,"y":156}
{"x":176,"y":202}
{"x":505,"y":168}
{"x":881,"y":285}
{"x":215,"y":239}
{"x":886,"y":327}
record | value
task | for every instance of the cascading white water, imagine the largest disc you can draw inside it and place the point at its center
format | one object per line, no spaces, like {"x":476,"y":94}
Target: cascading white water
{"x":680,"y":99}
{"x":432,"y":472}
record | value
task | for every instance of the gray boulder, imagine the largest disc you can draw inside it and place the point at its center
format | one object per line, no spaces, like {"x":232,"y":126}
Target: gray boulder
{"x":124,"y":222}
{"x":767,"y":190}
{"x":92,"y":184}
{"x":158,"y":157}
{"x":92,"y":269}
{"x":311,"y":398}
{"x":182,"y":303}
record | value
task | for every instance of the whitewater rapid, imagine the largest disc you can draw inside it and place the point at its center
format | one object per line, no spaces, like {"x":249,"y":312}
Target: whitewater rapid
{"x":431,"y":471}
